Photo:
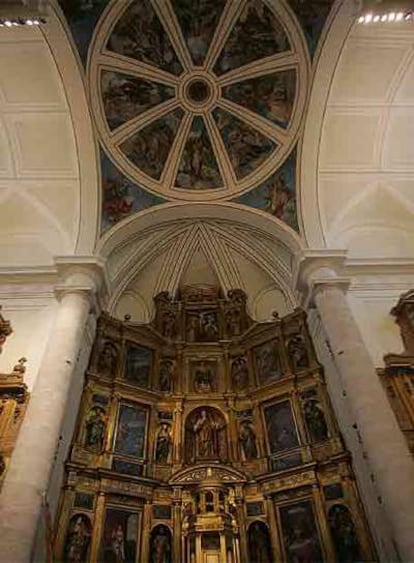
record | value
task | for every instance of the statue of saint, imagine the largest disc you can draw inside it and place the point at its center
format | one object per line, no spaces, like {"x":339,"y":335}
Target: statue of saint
{"x":78,"y":540}
{"x":118,"y":544}
{"x":206,"y":436}
{"x":107,"y":359}
{"x":163,"y":446}
{"x":297,"y":352}
{"x":161,"y":546}
{"x":247,"y":439}
{"x":239,"y":373}
{"x":315,"y":421}
{"x":95,"y":429}
{"x":166,"y":375}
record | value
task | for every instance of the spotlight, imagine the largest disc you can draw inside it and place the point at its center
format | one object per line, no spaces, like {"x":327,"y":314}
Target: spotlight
{"x":8,"y":23}
{"x":399,"y":17}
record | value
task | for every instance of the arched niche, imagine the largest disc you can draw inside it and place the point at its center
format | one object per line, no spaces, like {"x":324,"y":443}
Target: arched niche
{"x":259,"y":543}
{"x":160,"y":545}
{"x":343,"y":533}
{"x":205,"y":435}
{"x":78,"y":538}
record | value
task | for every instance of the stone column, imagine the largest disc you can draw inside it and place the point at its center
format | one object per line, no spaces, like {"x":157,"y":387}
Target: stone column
{"x":383,"y":442}
{"x":32,"y":461}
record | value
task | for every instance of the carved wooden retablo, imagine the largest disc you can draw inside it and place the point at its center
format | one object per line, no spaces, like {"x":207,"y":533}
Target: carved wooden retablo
{"x":398,"y":374}
{"x":205,"y":436}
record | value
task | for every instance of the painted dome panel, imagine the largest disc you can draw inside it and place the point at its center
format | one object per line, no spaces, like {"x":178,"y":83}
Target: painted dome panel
{"x":272,"y":96}
{"x":257,"y":33}
{"x":246,"y":147}
{"x":149,"y":148}
{"x":198,"y":168}
{"x":198,"y":20}
{"x":139,"y":34}
{"x":124,"y":97}
{"x":198,"y":100}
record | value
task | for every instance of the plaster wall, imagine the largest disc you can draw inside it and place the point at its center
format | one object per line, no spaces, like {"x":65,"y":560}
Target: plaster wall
{"x":371,"y":299}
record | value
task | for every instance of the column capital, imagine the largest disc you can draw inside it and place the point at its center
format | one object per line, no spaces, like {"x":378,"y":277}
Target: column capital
{"x":316,"y":269}
{"x":83,"y":275}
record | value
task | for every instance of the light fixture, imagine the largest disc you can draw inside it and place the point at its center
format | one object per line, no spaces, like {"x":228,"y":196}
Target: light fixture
{"x":17,"y":22}
{"x":384,"y":11}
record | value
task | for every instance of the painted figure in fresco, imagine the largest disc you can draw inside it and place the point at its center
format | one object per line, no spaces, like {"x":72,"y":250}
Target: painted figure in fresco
{"x":297,"y":351}
{"x":343,"y":534}
{"x":247,"y":439}
{"x":279,"y":196}
{"x":166,"y":375}
{"x":163,"y":446}
{"x":203,"y":378}
{"x":107,"y":359}
{"x":118,"y":544}
{"x":206,"y":436}
{"x":239,"y":373}
{"x":161,"y":545}
{"x":233,"y":322}
{"x":315,"y":421}
{"x":77,"y":541}
{"x":259,"y":543}
{"x":95,"y":429}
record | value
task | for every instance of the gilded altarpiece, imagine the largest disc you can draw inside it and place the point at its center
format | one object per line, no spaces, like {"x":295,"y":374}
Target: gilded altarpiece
{"x":398,"y":374}
{"x":206,"y":437}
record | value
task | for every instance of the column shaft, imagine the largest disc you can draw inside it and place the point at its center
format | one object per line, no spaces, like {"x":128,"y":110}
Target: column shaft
{"x":32,"y":461}
{"x":382,"y":439}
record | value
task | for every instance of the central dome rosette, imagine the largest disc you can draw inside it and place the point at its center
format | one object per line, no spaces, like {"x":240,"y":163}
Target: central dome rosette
{"x":198,"y":99}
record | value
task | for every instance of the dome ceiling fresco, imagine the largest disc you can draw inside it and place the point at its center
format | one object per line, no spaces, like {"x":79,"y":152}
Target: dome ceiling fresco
{"x":196,"y":96}
{"x":198,"y":100}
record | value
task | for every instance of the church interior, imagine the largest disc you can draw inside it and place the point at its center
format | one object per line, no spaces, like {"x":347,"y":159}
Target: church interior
{"x":206,"y":281}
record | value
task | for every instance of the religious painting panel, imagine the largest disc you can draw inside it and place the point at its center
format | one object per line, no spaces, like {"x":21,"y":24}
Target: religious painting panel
{"x":246,"y":147}
{"x":198,"y":168}
{"x":148,"y":149}
{"x":78,"y":539}
{"x":130,"y":437}
{"x":267,"y":361}
{"x":198,"y":21}
{"x":256,"y":34}
{"x":259,"y":543}
{"x":139,"y":35}
{"x":272,"y":96}
{"x":125,"y":96}
{"x":120,"y":536}
{"x":280,"y":427}
{"x":160,"y":545}
{"x":300,"y":535}
{"x":343,"y":534}
{"x":138,"y":365}
{"x":202,"y":326}
{"x":205,"y":435}
{"x":203,"y":376}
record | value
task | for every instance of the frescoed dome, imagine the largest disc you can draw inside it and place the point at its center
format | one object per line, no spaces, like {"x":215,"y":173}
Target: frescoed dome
{"x":198,"y":99}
